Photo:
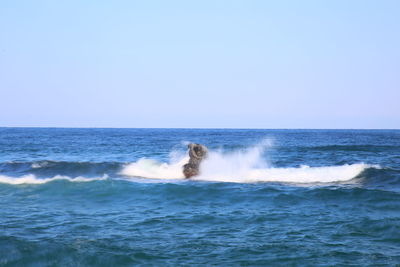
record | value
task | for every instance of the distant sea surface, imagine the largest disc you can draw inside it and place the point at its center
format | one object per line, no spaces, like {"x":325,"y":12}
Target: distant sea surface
{"x":117,"y":197}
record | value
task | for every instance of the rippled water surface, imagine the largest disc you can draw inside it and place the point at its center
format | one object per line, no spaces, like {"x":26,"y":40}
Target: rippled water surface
{"x":117,"y":197}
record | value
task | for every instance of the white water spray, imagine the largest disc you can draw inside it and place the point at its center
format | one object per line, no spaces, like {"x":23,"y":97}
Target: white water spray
{"x":243,"y":166}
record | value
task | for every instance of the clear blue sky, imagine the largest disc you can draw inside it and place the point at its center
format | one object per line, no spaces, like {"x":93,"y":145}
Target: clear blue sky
{"x":239,"y":64}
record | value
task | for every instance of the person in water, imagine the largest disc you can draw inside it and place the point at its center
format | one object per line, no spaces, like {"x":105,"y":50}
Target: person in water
{"x":197,"y":153}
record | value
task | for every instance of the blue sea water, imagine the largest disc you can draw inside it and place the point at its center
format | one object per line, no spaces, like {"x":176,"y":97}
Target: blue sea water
{"x":116,"y":197}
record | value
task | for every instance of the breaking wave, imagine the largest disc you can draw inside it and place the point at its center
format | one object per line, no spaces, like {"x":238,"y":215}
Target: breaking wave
{"x":243,"y":166}
{"x":32,"y":179}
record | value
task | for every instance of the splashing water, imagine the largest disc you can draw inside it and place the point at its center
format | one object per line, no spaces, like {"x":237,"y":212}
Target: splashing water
{"x":243,"y":166}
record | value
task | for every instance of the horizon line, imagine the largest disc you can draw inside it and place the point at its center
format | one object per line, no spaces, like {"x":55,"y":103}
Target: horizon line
{"x":194,"y":128}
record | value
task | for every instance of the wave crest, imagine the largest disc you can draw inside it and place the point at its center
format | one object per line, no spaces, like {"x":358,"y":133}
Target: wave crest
{"x":32,"y":179}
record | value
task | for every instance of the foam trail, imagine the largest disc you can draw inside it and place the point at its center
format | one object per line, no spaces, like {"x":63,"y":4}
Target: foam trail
{"x":244,"y":166}
{"x":32,"y":179}
{"x":304,"y":174}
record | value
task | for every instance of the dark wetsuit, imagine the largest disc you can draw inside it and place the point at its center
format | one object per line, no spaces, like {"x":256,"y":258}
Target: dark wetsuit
{"x":197,"y":153}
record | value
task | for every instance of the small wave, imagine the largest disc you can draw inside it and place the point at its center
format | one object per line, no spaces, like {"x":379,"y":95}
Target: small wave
{"x":51,"y":168}
{"x":32,"y":179}
{"x":245,"y":166}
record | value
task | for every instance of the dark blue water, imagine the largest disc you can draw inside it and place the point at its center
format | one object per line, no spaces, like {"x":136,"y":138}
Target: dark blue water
{"x":66,"y":201}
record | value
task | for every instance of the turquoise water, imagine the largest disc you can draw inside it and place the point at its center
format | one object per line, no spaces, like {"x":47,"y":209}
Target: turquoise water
{"x":116,"y":197}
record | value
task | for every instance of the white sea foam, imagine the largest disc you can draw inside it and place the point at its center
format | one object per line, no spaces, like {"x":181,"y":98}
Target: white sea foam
{"x":37,"y":165}
{"x":32,"y":179}
{"x":148,"y":168}
{"x":243,"y":166}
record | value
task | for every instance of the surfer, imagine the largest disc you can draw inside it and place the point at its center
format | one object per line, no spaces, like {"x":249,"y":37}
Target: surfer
{"x":197,"y":153}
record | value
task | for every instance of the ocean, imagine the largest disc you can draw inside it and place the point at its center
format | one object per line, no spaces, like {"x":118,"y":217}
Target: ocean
{"x":117,"y":197}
